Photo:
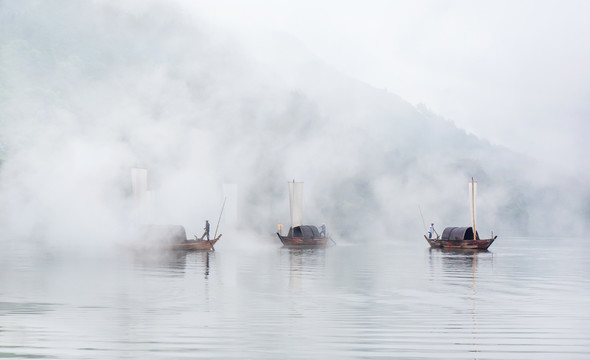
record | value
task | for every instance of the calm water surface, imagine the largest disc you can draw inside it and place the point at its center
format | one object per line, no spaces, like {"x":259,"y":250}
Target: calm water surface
{"x":524,"y":299}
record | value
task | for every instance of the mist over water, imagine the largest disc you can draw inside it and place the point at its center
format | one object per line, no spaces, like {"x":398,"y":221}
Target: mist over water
{"x":90,"y":90}
{"x":110,"y":89}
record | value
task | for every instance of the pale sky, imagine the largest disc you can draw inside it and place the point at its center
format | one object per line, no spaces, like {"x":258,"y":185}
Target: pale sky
{"x":513,"y":72}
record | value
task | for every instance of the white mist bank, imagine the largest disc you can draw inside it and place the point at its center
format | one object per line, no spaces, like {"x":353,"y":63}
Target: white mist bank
{"x":84,"y":101}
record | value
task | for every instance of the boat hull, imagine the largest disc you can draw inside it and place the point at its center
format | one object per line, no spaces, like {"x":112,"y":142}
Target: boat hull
{"x":479,"y":244}
{"x":195,"y":245}
{"x":299,"y":242}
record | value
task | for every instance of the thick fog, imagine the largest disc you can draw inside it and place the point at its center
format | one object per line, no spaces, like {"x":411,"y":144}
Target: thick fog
{"x":511,"y":72}
{"x":90,"y":90}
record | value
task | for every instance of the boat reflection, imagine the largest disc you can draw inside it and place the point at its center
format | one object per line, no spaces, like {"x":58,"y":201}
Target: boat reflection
{"x":172,"y":263}
{"x":201,"y":259}
{"x":304,"y":262}
{"x":456,"y":261}
{"x":460,"y":267}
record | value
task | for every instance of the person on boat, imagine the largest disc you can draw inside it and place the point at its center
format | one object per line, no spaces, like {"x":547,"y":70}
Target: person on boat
{"x":206,"y":228}
{"x":323,"y":230}
{"x":431,"y":230}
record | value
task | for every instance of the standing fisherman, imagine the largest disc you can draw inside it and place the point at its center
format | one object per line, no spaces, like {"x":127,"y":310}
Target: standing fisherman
{"x":206,"y":228}
{"x":431,"y":230}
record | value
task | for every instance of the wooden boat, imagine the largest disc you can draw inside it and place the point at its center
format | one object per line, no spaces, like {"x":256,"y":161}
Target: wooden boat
{"x":173,"y":237}
{"x":158,"y":237}
{"x":299,"y":235}
{"x":462,"y":237}
{"x":304,"y":236}
{"x":454,"y":251}
{"x":196,"y":245}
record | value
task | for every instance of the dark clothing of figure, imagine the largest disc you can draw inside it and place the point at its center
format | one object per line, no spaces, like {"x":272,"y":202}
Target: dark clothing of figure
{"x":206,"y":230}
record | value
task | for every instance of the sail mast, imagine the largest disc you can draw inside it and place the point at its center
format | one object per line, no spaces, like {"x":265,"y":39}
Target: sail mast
{"x":473,"y":208}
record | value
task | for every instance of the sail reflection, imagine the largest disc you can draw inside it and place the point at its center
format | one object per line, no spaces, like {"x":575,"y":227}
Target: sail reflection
{"x":460,"y":268}
{"x":303,"y":263}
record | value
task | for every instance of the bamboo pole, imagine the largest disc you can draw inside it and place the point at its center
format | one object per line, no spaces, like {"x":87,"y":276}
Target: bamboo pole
{"x":423,"y":222}
{"x":219,"y":220}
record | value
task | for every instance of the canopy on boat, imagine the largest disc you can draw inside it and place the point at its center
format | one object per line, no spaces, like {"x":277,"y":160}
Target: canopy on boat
{"x":304,"y":231}
{"x":163,"y":233}
{"x":458,"y":233}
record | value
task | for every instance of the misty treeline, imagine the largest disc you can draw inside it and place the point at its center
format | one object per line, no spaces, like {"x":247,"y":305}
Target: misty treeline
{"x":89,"y":90}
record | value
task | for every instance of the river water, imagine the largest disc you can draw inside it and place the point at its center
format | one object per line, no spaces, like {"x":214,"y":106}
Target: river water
{"x":526,"y":298}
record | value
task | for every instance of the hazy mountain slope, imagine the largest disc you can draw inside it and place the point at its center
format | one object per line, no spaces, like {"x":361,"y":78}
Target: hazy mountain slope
{"x":88,"y":91}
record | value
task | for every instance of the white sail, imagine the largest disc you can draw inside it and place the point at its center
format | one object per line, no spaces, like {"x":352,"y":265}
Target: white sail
{"x":139,"y":184}
{"x":472,"y":200}
{"x":141,"y":194}
{"x":296,"y":203}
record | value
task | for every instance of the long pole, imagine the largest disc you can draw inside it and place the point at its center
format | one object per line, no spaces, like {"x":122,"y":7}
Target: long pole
{"x":423,"y":222}
{"x":219,"y":220}
{"x":473,"y":208}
